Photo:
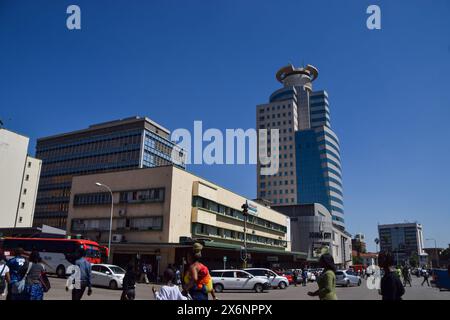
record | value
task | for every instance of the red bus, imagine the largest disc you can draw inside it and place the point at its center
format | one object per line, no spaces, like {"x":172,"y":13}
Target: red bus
{"x":56,"y":253}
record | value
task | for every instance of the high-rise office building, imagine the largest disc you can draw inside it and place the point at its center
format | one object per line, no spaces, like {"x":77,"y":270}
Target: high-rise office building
{"x":19,"y":178}
{"x":117,"y":145}
{"x":309,"y":152}
{"x":404,"y":241}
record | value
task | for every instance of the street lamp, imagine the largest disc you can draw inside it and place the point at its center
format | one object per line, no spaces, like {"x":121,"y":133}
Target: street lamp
{"x":111,"y":217}
{"x":435,"y":252}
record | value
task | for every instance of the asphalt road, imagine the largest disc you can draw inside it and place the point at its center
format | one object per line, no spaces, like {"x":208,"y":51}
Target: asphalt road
{"x":144,"y":292}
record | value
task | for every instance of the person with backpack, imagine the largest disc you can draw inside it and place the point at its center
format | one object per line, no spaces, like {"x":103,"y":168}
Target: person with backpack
{"x":34,"y":287}
{"x":18,"y":270}
{"x":4,"y":275}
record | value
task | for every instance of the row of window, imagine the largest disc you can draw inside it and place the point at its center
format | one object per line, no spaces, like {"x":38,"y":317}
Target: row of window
{"x":147,"y":195}
{"x":92,"y":143}
{"x":87,"y":162}
{"x":100,"y":167}
{"x":143,"y":223}
{"x":213,"y":206}
{"x":273,"y":108}
{"x":92,"y":199}
{"x":207,"y":230}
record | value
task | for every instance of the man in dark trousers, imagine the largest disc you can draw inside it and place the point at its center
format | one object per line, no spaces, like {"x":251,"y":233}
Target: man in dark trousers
{"x":426,"y":275}
{"x":406,"y":276}
{"x":85,"y":276}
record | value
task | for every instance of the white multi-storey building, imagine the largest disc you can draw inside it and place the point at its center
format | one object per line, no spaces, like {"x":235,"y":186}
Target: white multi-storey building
{"x":19,"y":179}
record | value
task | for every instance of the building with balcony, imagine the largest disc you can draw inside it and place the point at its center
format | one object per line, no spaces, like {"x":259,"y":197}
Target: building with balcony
{"x":159,"y":211}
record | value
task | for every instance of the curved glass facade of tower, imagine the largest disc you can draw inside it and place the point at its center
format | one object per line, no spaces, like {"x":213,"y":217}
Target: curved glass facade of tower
{"x":310,"y":161}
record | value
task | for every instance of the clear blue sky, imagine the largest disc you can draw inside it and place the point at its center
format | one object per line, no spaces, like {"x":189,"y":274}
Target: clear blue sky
{"x":180,"y":61}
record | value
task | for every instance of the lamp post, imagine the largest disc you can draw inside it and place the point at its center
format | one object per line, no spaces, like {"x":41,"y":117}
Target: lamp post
{"x":245,"y":214}
{"x":110,"y":219}
{"x":435,"y":252}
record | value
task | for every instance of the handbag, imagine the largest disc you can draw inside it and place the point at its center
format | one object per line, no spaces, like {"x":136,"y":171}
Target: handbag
{"x":19,"y":286}
{"x":45,"y":283}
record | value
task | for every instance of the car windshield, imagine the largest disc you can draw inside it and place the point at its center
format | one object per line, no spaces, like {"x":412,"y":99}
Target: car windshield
{"x":117,"y":270}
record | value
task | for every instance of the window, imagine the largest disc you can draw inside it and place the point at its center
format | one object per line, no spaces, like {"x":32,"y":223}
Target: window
{"x":25,"y":191}
{"x":22,"y":205}
{"x":27,"y":177}
{"x":228,"y":274}
{"x":29,"y":164}
{"x":20,"y":219}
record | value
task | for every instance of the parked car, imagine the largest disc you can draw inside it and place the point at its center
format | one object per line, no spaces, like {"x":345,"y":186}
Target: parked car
{"x":276,"y":281}
{"x":237,"y":280}
{"x":107,"y":275}
{"x":347,"y":278}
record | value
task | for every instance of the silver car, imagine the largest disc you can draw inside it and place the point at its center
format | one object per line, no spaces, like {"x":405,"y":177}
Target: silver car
{"x":107,"y":275}
{"x":237,"y":280}
{"x":347,"y":278}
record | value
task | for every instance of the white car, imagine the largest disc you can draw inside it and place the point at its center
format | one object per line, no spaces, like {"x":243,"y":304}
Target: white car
{"x":347,"y":278}
{"x":107,"y":275}
{"x":276,"y":281}
{"x":237,"y":280}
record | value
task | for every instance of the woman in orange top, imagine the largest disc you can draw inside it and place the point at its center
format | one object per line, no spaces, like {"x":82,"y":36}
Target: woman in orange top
{"x":198,"y":281}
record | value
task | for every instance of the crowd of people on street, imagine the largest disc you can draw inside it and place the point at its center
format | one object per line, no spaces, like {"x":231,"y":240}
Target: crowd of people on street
{"x":23,"y":277}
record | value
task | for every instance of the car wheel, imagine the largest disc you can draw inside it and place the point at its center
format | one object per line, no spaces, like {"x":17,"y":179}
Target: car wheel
{"x":218,"y":288}
{"x":282,"y":285}
{"x":359,"y":282}
{"x":61,"y":271}
{"x":259,"y":288}
{"x":113,"y":285}
{"x":347,"y":284}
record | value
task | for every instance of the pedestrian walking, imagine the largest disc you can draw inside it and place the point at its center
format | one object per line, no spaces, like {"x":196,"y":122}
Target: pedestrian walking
{"x":129,"y":284}
{"x":84,"y":275}
{"x":198,"y":282}
{"x":143,"y":273}
{"x":295,"y":277}
{"x":304,"y":277}
{"x":426,"y":276}
{"x":406,"y":276}
{"x":18,"y":269}
{"x":34,"y":287}
{"x":150,"y":276}
{"x":327,"y":280}
{"x":169,"y":291}
{"x":391,"y":287}
{"x":4,"y":275}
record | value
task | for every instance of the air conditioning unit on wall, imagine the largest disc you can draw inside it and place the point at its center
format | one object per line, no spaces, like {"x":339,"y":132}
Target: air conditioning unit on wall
{"x":117,"y":238}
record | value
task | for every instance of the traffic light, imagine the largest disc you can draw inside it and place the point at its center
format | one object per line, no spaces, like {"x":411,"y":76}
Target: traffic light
{"x":245,"y":209}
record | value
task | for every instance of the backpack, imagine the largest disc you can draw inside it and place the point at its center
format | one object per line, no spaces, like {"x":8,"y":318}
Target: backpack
{"x":18,"y":287}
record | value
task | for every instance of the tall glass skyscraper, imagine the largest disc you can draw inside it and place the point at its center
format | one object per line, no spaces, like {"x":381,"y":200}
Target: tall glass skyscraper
{"x":116,"y":145}
{"x":309,"y":151}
